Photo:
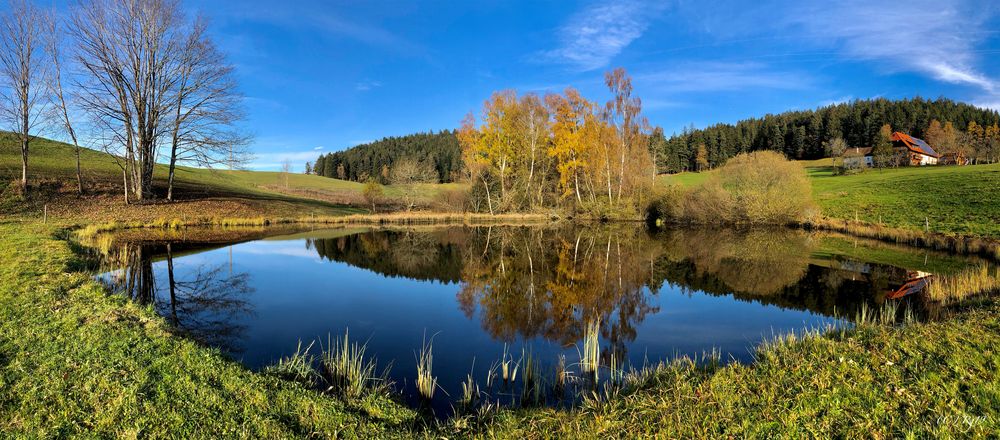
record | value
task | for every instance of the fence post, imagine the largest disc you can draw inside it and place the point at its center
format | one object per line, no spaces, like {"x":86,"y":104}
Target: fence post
{"x":927,"y":225}
{"x":45,"y":213}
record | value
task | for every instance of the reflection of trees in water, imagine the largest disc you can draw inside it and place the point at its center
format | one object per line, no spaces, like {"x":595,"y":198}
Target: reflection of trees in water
{"x":759,"y":262}
{"x":410,"y":254}
{"x":204,"y":303}
{"x":550,"y":283}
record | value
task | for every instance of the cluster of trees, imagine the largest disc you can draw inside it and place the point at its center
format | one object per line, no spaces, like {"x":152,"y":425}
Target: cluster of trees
{"x":427,"y":157}
{"x":530,"y":151}
{"x":976,"y":144}
{"x":145,"y":80}
{"x":807,"y":134}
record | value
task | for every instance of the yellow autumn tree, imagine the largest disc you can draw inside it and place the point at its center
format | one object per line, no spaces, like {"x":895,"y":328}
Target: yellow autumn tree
{"x":568,"y":146}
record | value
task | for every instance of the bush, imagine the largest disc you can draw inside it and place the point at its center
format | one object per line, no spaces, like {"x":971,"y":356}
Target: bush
{"x":452,"y":200}
{"x":752,"y":188}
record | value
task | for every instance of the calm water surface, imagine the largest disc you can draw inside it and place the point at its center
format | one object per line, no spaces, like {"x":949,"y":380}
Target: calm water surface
{"x":478,"y":291}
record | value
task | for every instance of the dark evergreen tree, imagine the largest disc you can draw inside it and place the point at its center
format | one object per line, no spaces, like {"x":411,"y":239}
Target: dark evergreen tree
{"x":801,"y":134}
{"x":368,"y":160}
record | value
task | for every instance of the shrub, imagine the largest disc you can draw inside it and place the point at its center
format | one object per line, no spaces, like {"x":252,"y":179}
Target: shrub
{"x":752,"y":188}
{"x":452,"y":200}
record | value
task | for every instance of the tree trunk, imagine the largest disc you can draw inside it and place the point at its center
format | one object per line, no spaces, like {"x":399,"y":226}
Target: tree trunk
{"x":79,"y":172}
{"x":489,"y":202}
{"x":24,"y":164}
{"x":170,"y":171}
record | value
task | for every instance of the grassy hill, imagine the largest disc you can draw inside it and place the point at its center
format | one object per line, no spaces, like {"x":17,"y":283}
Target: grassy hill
{"x":953,"y":199}
{"x":200,"y":192}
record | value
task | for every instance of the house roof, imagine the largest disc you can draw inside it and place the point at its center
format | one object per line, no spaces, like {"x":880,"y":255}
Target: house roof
{"x":851,"y":152}
{"x":914,"y":144}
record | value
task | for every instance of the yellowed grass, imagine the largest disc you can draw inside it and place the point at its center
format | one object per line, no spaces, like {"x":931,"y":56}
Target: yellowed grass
{"x":978,"y":280}
{"x":399,"y":218}
{"x":951,"y":243}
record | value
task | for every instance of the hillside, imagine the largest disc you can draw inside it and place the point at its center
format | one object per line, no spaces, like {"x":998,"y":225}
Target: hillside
{"x":953,"y":199}
{"x":200,"y":192}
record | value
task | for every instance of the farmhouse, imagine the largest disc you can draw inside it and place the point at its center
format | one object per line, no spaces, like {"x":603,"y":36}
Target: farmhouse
{"x":913,"y":151}
{"x":908,"y":151}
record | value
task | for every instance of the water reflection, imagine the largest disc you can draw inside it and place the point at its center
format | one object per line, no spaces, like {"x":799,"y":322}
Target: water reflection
{"x":486,"y":290}
{"x":204,"y":302}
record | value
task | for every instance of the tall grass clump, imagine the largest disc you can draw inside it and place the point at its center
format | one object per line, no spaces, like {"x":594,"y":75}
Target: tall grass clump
{"x":590,"y":357}
{"x":346,"y":371}
{"x":426,"y":382}
{"x":762,"y":187}
{"x":297,"y":367}
{"x":977,"y":280}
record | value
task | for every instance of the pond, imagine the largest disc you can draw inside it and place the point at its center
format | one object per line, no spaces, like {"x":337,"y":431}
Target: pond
{"x":487,"y":294}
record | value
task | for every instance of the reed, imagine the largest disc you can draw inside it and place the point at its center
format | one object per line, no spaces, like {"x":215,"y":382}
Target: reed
{"x":470,"y":392}
{"x":532,"y":390}
{"x":508,"y":366}
{"x":297,"y":367}
{"x":590,"y":357}
{"x":559,"y":384}
{"x":346,"y":371}
{"x":400,"y":218}
{"x":977,"y":280}
{"x":426,"y":382}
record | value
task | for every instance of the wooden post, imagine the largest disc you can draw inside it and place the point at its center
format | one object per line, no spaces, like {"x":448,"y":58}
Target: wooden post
{"x":125,"y":179}
{"x":45,"y":213}
{"x":927,"y":225}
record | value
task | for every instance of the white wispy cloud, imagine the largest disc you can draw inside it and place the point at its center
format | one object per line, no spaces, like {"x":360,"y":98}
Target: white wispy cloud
{"x":594,"y":36}
{"x":937,"y":38}
{"x":366,"y":85}
{"x":718,"y":77}
{"x":324,"y":21}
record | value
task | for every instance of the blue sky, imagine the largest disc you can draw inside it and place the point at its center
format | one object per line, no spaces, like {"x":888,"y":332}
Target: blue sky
{"x":324,"y":76}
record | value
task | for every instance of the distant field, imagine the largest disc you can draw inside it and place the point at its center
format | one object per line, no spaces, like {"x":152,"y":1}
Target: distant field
{"x":953,"y":199}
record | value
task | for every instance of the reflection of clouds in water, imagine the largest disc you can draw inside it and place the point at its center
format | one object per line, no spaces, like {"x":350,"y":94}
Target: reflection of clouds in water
{"x":285,"y":248}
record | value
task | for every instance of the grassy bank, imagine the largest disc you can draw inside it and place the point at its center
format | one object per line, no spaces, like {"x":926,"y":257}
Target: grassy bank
{"x":74,"y":360}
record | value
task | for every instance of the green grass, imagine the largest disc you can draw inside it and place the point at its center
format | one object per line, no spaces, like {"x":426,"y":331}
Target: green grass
{"x":954,"y":200}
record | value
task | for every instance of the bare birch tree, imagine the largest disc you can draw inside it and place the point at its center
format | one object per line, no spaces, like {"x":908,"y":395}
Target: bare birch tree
{"x":128,"y":51}
{"x":23,"y":73}
{"x":207,"y":105}
{"x":624,"y":113}
{"x":54,"y":47}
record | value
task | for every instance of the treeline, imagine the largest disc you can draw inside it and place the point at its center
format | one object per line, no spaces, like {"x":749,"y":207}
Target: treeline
{"x":805,"y":134}
{"x":436,"y":155}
